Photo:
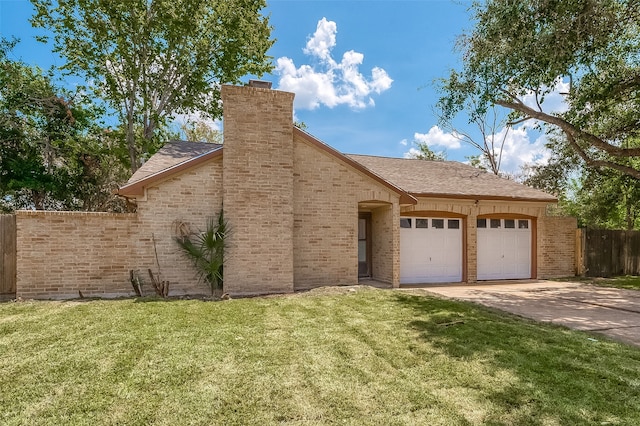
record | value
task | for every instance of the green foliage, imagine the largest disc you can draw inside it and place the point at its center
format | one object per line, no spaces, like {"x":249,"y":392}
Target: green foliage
{"x":598,"y":198}
{"x":52,"y":153}
{"x":301,"y":125}
{"x":607,"y":200}
{"x":206,"y":251}
{"x":155,"y":59}
{"x":423,"y":152}
{"x":519,"y":50}
{"x":200,"y":131}
{"x":478,"y":161}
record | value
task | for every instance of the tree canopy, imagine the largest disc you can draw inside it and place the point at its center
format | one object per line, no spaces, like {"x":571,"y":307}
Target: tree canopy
{"x":598,"y":198}
{"x":518,"y":52}
{"x":53,"y":154}
{"x":152,"y":59}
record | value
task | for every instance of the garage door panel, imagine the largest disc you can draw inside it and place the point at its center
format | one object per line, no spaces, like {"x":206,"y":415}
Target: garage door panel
{"x":504,"y":249}
{"x":430,"y":254}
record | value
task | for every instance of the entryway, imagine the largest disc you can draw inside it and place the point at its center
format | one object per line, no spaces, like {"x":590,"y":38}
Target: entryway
{"x":364,"y":245}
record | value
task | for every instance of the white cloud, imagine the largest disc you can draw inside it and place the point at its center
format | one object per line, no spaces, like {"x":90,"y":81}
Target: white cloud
{"x":330,"y":83}
{"x":436,"y":137}
{"x":323,"y":40}
{"x":412,"y":153}
{"x":519,"y":149}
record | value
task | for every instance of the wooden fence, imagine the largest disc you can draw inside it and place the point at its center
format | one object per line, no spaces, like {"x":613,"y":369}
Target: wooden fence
{"x":7,"y":256}
{"x":607,"y":253}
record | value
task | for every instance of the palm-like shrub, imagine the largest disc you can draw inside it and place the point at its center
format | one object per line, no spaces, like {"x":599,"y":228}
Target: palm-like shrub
{"x":206,"y":251}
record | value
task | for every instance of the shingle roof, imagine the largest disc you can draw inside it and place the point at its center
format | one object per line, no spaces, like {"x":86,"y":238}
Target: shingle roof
{"x":172,"y":154}
{"x":448,"y":179}
{"x":416,"y":177}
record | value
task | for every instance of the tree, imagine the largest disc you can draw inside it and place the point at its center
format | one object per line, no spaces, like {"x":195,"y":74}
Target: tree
{"x":477,"y":161}
{"x":519,"y":51}
{"x":492,"y":124}
{"x":423,"y":152}
{"x":201,"y":131}
{"x":605,"y":200}
{"x":597,"y":198}
{"x":151,"y":59}
{"x":51,"y":149}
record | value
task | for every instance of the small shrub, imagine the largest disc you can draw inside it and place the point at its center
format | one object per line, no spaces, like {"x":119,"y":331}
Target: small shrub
{"x":206,"y":251}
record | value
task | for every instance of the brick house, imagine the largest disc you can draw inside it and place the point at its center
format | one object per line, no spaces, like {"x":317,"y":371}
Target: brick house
{"x":302,"y":215}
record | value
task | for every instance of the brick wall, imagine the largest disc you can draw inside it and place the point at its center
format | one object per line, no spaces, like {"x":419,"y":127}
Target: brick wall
{"x":63,"y":253}
{"x":556,"y":246}
{"x":326,"y":197}
{"x":187,"y":200}
{"x":383,"y":248}
{"x":258,"y":189}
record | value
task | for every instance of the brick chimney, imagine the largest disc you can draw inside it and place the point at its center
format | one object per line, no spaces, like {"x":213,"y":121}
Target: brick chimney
{"x":258,"y":188}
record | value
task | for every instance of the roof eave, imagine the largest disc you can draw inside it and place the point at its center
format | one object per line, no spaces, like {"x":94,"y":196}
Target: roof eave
{"x":484,"y":197}
{"x":133,"y":189}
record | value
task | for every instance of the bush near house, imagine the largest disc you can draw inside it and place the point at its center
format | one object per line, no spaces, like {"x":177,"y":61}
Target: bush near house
{"x":206,"y":251}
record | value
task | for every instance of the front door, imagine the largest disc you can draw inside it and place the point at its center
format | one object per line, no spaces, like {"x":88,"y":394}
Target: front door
{"x":364,"y":245}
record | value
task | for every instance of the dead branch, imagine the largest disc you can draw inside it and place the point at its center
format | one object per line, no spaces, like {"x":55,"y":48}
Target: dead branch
{"x":161,"y":287}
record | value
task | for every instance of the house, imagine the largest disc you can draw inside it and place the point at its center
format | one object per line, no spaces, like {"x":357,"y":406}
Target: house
{"x":301,"y":215}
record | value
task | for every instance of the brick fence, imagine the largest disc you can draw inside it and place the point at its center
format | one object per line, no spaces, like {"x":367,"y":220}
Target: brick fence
{"x":79,"y":254}
{"x":65,"y":254}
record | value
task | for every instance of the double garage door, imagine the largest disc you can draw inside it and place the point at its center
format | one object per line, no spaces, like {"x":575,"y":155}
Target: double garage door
{"x":431,"y":249}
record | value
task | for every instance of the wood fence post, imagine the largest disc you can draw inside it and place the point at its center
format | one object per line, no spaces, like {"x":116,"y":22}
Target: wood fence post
{"x":7,"y":256}
{"x":580,"y":243}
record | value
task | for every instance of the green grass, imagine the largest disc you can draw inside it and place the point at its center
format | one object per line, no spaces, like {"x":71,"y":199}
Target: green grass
{"x":629,"y":282}
{"x":372,"y":357}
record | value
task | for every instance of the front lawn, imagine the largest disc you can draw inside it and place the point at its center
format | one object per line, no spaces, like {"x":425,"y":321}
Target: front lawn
{"x":373,"y":357}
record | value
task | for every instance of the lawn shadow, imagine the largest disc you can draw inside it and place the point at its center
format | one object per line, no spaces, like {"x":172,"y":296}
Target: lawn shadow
{"x":561,"y":375}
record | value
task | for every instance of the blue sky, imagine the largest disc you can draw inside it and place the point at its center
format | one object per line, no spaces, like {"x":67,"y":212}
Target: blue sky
{"x":363,"y":71}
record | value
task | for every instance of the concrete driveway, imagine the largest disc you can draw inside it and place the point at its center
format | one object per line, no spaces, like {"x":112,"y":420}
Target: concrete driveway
{"x":609,"y":311}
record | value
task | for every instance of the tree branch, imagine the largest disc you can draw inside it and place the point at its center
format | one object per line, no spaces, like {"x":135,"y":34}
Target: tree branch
{"x":601,"y":163}
{"x":570,"y":129}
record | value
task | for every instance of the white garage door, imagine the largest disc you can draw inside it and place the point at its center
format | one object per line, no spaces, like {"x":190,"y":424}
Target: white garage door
{"x":430,"y":250}
{"x":504,"y":249}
